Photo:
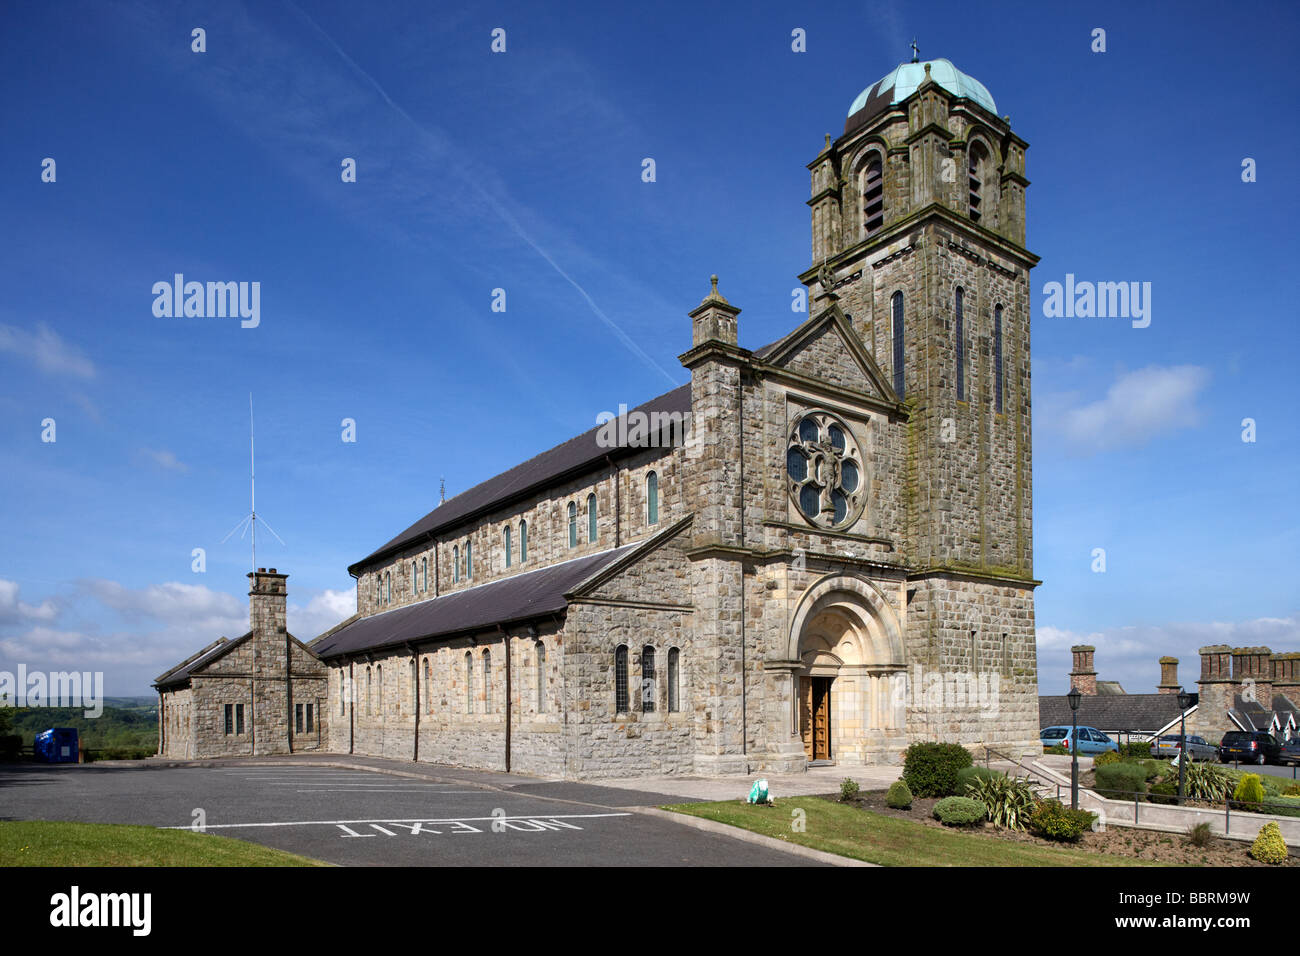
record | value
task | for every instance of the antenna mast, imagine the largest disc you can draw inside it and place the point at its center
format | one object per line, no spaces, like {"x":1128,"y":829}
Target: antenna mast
{"x":250,"y":520}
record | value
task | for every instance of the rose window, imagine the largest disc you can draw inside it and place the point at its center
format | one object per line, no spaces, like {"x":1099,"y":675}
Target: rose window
{"x":824,"y":470}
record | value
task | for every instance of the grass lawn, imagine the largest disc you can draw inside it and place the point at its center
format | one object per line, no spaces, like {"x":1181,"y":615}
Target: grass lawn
{"x":42,"y":843}
{"x":889,"y":841}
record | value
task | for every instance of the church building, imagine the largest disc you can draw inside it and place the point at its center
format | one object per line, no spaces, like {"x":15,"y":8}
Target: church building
{"x":816,"y":551}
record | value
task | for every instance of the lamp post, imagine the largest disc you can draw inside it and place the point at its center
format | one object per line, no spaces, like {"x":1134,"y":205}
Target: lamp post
{"x":1073,"y":697}
{"x":1184,"y":701}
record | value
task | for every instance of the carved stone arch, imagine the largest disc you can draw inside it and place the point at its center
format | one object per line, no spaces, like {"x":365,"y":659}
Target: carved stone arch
{"x":879,"y":636}
{"x":873,"y":148}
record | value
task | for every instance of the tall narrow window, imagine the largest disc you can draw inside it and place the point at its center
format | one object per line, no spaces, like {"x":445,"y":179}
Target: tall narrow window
{"x":311,"y":719}
{"x":388,"y":587}
{"x":413,"y":588}
{"x":379,"y":685}
{"x":428,"y":694}
{"x":976,"y":181}
{"x":239,"y":719}
{"x":573,"y":525}
{"x":369,"y":690}
{"x":652,"y":498}
{"x":298,"y":715}
{"x":487,"y":681}
{"x":674,"y":677}
{"x":648,"y":680}
{"x":997,"y":359}
{"x":343,"y":695}
{"x":961,"y":348}
{"x":455,"y":562}
{"x":505,"y":541}
{"x":424,"y":574}
{"x":541,"y":678}
{"x":897,"y":303}
{"x":469,"y":683}
{"x":523,"y":542}
{"x":620,"y":680}
{"x":873,"y":197}
{"x":230,"y":718}
{"x":469,"y":559}
{"x":415,"y":689}
{"x":591,"y":518}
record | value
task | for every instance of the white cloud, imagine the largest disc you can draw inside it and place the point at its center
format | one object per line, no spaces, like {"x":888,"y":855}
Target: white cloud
{"x":322,"y":612}
{"x":1138,"y":406}
{"x":1130,"y":655}
{"x":46,"y":350}
{"x":194,"y":606}
{"x":12,"y":609}
{"x":165,"y":459}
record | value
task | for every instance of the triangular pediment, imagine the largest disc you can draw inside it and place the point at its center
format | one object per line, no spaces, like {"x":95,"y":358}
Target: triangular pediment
{"x":825,"y":348}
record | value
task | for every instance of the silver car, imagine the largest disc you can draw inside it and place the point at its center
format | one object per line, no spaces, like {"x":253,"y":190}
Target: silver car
{"x":1170,"y":745}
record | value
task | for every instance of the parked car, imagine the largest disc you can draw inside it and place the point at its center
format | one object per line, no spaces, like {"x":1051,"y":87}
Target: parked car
{"x":1249,"y":746}
{"x":1091,"y":740}
{"x":1290,"y":751}
{"x":1170,"y":745}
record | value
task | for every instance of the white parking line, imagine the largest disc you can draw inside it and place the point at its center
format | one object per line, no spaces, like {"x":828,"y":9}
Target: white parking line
{"x":432,"y":820}
{"x":381,"y":790}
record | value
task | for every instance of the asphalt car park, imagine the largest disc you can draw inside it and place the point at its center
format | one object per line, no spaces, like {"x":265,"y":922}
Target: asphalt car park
{"x":359,"y":817}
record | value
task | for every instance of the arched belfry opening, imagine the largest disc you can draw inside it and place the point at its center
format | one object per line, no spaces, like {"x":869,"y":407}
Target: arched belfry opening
{"x":848,"y":688}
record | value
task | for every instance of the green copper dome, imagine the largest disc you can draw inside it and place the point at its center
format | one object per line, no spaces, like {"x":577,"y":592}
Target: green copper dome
{"x":902,"y":81}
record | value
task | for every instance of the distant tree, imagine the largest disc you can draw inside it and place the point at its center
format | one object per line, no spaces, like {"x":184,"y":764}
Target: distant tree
{"x":5,"y":719}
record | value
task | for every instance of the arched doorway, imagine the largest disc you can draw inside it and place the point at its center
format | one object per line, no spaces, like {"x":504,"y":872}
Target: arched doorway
{"x":848,"y":645}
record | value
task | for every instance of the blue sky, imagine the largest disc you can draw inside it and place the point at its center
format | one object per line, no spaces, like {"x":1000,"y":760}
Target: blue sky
{"x":522,"y":171}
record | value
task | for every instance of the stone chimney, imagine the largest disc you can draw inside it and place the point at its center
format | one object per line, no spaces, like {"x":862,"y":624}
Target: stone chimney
{"x":1169,"y":676}
{"x":1083,"y":677}
{"x":1252,"y":672}
{"x":267,"y":604}
{"x":1216,"y":689}
{"x":1286,"y":676}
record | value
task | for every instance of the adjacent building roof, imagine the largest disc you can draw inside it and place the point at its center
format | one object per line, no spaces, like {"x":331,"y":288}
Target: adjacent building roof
{"x":1252,"y":715}
{"x":1124,"y":713}
{"x":511,"y":600}
{"x":182,"y":671}
{"x":573,"y":457}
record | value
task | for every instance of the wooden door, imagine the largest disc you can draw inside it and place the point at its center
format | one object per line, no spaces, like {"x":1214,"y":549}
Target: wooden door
{"x":815,"y":716}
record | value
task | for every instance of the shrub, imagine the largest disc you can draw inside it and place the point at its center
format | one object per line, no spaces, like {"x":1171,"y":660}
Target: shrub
{"x":930,"y":769}
{"x":1057,"y":749}
{"x":1199,"y":834}
{"x":1249,"y":791}
{"x":1109,"y":756}
{"x":1121,"y":780}
{"x":1292,"y":791}
{"x":1206,"y":781}
{"x":848,"y":789}
{"x":1269,"y":847}
{"x":1008,"y":801}
{"x":1055,"y":821}
{"x":968,"y":775}
{"x":1166,"y":791}
{"x":959,"y":811}
{"x":1135,"y":749}
{"x":899,"y":797}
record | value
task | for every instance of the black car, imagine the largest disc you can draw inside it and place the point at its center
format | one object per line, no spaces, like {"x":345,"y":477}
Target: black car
{"x":1291,"y":751}
{"x":1250,"y":746}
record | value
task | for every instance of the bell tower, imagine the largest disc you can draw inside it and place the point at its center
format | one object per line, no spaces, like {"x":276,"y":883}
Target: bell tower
{"x":918,"y":232}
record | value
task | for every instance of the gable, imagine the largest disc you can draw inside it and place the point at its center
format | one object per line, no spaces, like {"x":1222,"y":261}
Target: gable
{"x":658,"y":572}
{"x":826,"y":349}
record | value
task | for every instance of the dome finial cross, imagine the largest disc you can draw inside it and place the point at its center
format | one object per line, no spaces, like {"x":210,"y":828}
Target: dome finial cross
{"x":916,"y":52}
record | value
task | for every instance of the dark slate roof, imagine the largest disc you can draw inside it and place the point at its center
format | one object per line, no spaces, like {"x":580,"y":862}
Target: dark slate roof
{"x":1252,"y":715}
{"x":510,"y":600}
{"x":1131,"y":713}
{"x":182,"y":671}
{"x":573,"y":457}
